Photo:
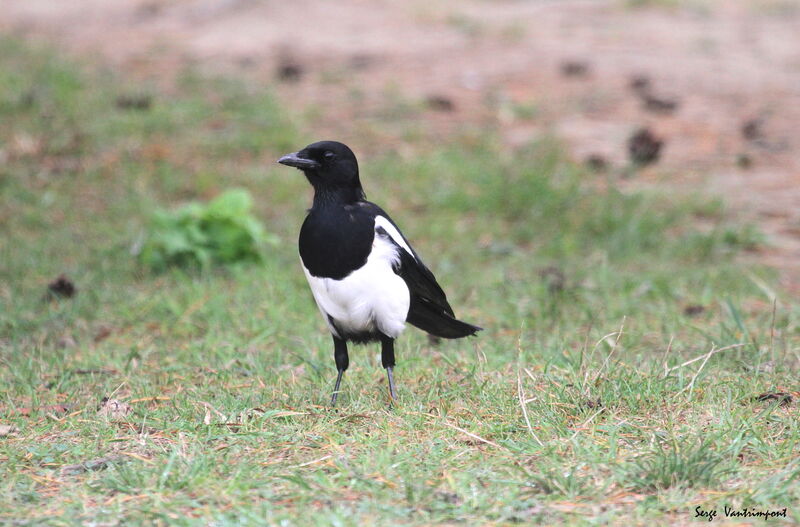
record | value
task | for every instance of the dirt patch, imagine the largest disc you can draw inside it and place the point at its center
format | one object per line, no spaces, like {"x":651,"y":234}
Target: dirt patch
{"x":591,"y":72}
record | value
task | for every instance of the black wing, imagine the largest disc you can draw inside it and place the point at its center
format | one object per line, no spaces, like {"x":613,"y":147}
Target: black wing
{"x":429,"y":310}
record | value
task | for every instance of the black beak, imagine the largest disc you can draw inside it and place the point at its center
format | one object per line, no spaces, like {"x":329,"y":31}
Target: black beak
{"x":294,"y":160}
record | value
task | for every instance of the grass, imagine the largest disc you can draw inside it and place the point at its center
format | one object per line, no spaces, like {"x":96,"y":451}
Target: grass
{"x":574,"y":405}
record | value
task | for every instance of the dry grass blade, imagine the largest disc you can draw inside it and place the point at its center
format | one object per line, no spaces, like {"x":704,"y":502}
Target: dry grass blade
{"x":313,"y":461}
{"x":666,"y":355}
{"x":690,"y":386}
{"x":591,"y":356}
{"x":523,"y":405}
{"x":578,"y":429}
{"x":474,"y":436}
{"x":209,"y":409}
{"x":470,"y":434}
{"x":703,"y":356}
{"x":523,"y":402}
{"x":610,"y":353}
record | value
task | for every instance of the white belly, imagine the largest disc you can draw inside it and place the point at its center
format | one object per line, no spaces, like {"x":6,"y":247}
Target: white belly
{"x":370,"y":298}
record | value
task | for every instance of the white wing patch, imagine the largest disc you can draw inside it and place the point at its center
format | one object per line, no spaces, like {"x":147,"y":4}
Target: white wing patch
{"x":370,"y":298}
{"x":393,"y":233}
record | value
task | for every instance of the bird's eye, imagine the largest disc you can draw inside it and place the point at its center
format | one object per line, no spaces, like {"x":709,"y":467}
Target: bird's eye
{"x":329,"y":155}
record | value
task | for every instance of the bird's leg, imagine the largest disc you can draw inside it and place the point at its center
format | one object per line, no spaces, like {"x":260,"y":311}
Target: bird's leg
{"x":342,"y":361}
{"x":391,"y":382}
{"x":387,"y":358}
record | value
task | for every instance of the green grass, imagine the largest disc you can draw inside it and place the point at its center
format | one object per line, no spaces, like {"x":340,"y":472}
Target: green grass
{"x":582,"y":289}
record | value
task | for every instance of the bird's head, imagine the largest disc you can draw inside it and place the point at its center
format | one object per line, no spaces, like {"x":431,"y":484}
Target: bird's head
{"x":328,"y":165}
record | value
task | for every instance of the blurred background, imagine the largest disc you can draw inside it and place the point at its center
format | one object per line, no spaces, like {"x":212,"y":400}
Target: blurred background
{"x":715,"y":83}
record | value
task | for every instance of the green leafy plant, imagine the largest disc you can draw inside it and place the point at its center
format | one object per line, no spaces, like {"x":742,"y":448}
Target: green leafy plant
{"x":198,"y":235}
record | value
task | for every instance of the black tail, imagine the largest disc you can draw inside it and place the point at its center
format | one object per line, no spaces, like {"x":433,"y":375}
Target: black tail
{"x":433,"y":319}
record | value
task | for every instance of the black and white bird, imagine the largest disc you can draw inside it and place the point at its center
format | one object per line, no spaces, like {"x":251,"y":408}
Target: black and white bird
{"x":365,"y":278}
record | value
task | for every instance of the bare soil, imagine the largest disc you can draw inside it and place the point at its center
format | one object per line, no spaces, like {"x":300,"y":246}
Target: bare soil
{"x":730,"y":68}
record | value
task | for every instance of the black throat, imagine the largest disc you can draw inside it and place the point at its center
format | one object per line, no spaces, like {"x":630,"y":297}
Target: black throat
{"x":336,"y":236}
{"x":332,"y":196}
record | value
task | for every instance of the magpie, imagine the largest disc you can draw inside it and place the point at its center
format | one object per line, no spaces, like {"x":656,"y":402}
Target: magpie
{"x":365,"y":278}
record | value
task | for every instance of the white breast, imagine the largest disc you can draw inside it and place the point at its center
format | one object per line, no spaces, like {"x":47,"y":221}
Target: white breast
{"x":371,"y":297}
